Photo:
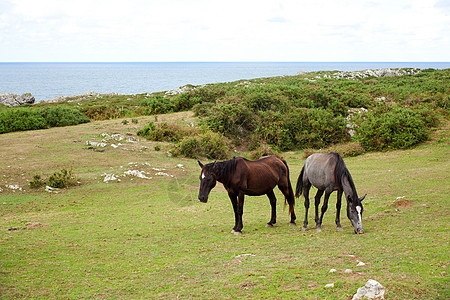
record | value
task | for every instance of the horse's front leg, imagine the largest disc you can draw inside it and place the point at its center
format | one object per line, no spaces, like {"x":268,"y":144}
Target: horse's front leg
{"x":273,"y":204}
{"x":240,"y":212}
{"x":338,"y":211}
{"x":234,"y":202}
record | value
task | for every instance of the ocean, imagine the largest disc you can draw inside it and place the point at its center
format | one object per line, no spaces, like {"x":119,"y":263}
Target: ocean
{"x":48,"y":80}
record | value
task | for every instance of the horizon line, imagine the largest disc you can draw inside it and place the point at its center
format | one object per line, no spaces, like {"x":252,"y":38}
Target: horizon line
{"x":110,"y":62}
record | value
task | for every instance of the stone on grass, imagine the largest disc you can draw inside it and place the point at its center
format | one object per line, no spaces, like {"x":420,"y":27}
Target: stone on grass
{"x":372,"y":290}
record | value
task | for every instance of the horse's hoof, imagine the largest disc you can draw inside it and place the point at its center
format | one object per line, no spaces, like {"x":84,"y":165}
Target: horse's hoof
{"x":340,"y":229}
{"x":318,"y":229}
{"x":292,"y":224}
{"x":269,"y":225}
{"x":237,"y":233}
{"x":304,"y":229}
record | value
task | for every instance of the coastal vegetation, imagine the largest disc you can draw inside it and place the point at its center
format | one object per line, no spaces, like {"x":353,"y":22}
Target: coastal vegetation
{"x":312,"y":110}
{"x":132,"y":226}
{"x":108,"y":209}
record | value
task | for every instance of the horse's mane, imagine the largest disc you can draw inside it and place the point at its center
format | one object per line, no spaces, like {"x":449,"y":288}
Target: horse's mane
{"x":341,"y":171}
{"x":224,"y":169}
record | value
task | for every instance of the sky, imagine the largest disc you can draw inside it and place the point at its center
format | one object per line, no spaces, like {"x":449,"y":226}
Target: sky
{"x":219,"y":30}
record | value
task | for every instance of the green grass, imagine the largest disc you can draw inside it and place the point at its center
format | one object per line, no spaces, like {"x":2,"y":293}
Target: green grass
{"x":141,"y":238}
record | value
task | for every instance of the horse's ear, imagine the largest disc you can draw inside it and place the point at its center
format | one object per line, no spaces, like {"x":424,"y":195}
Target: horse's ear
{"x":200,"y":164}
{"x":362,"y":198}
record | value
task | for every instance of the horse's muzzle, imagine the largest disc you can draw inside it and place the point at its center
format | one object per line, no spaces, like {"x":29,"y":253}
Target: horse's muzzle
{"x":203,"y":199}
{"x":359,"y":231}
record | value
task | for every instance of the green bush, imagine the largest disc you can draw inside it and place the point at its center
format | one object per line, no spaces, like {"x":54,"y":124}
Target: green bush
{"x":21,"y":119}
{"x":202,"y":109}
{"x":62,"y":179}
{"x":391,"y":128}
{"x":37,"y":182}
{"x":302,"y":128}
{"x":263,"y":150}
{"x":163,"y":132}
{"x":208,"y":144}
{"x":233,"y":120}
{"x":59,"y":116}
{"x":26,"y":118}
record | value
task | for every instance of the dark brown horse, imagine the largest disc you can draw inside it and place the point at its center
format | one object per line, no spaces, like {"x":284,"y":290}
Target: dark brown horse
{"x":328,"y":173}
{"x":242,"y":177}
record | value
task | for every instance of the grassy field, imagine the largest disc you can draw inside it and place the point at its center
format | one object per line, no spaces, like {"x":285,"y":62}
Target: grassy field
{"x":151,"y":237}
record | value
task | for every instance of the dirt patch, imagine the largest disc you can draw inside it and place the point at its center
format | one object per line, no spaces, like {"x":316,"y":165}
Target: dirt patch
{"x":402,"y":203}
{"x":35,"y":225}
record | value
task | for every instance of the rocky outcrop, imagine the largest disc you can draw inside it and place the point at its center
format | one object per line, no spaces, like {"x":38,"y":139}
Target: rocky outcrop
{"x":363,"y":74}
{"x":86,"y":96}
{"x":11,"y":99}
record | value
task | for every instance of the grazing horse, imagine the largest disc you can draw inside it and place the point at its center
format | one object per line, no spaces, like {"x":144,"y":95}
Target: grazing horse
{"x":328,"y":173}
{"x":242,"y":177}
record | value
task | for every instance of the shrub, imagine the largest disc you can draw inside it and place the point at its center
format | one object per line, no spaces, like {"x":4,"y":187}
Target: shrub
{"x":232,"y":120}
{"x":157,"y":105}
{"x":394,"y":128}
{"x":163,"y":132}
{"x":62,"y":179}
{"x":202,"y":109}
{"x":21,"y":119}
{"x":263,"y":150}
{"x":59,"y":116}
{"x":301,"y":128}
{"x":208,"y":144}
{"x":36,"y":182}
{"x":59,"y":180}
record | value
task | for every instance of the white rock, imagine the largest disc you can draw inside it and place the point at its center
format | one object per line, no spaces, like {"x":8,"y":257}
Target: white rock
{"x":333,"y":270}
{"x":360,"y":264}
{"x":348,"y":271}
{"x":330,"y":285}
{"x":95,"y":144}
{"x":13,"y":187}
{"x":110,"y":177}
{"x":51,"y":190}
{"x":372,"y":290}
{"x":137,"y":173}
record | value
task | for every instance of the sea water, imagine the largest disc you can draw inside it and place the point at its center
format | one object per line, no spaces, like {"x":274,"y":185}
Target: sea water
{"x":48,"y":80}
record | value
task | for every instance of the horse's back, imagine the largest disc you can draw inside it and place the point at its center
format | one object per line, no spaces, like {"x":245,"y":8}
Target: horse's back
{"x":320,"y":168}
{"x":263,"y":174}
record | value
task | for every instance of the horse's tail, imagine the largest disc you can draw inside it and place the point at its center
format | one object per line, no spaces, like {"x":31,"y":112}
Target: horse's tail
{"x":299,"y":188}
{"x":291,"y":198}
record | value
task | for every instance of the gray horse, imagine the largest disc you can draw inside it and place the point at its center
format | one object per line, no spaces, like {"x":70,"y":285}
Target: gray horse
{"x":328,"y":173}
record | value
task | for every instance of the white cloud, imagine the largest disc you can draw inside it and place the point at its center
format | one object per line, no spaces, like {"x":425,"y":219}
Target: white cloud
{"x":213,"y":30}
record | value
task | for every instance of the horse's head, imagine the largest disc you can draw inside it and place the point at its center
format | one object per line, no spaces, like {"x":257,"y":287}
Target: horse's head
{"x":207,"y":181}
{"x":354,"y":213}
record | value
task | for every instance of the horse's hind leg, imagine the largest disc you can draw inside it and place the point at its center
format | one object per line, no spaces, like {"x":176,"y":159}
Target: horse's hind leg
{"x":306,"y":188}
{"x":324,"y":209}
{"x":290,"y":198}
{"x":317,"y":203}
{"x":273,"y":204}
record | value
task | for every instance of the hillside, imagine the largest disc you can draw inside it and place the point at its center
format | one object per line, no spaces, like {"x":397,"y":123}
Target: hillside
{"x":376,"y":109}
{"x":144,"y":234}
